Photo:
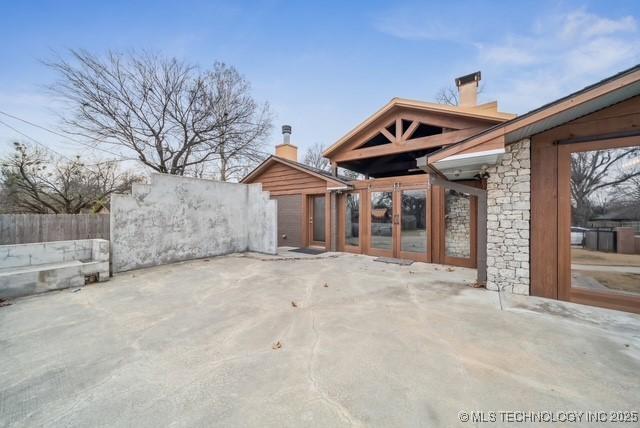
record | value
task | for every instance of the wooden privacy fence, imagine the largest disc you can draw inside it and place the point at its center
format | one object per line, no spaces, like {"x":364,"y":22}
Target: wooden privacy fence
{"x":28,"y":228}
{"x":601,"y":240}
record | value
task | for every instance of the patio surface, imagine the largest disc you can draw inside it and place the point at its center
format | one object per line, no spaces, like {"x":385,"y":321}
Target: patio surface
{"x":251,"y":340}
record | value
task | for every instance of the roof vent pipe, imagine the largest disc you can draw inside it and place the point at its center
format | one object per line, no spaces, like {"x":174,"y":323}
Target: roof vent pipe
{"x":286,"y":134}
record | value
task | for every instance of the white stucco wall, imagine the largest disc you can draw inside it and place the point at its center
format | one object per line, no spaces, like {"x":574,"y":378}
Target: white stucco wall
{"x":178,"y":218}
{"x":508,"y":220}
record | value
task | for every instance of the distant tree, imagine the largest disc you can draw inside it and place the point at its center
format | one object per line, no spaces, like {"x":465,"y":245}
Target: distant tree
{"x":313,"y":157}
{"x":349,"y":174}
{"x":34,"y":181}
{"x":241,"y":140}
{"x":449,"y":95}
{"x":174,"y":117}
{"x":594,"y":172}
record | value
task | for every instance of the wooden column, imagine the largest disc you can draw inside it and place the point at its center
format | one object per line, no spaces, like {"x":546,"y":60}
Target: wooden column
{"x":333,"y":223}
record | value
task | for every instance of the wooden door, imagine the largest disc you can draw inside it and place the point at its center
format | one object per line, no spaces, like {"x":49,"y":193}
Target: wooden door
{"x":316,"y":210}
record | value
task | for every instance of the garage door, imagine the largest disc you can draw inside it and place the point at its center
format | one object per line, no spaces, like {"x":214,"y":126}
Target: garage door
{"x":289,"y":220}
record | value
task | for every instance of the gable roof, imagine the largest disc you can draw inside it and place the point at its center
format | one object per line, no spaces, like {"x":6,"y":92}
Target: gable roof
{"x":486,"y":111}
{"x":609,"y":91}
{"x":316,"y":172}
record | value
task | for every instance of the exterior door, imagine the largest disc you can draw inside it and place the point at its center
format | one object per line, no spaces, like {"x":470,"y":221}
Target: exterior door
{"x":317,"y":215}
{"x":399,"y":223}
{"x":382,"y":222}
{"x":413,"y":228}
{"x":458,"y":228}
{"x":599,"y":224}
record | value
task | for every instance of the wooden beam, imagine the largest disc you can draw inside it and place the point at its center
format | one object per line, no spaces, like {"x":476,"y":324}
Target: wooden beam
{"x":387,"y":134}
{"x":408,"y":146}
{"x":398,"y":129}
{"x":440,"y":119}
{"x":410,"y":130}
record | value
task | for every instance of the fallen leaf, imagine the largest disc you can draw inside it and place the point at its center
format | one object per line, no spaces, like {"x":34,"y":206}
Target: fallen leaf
{"x":450,"y":269}
{"x":276,"y":345}
{"x":326,"y":285}
{"x":294,"y":304}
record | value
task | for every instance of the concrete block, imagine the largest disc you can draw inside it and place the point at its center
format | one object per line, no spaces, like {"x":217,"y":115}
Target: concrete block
{"x":27,"y":269}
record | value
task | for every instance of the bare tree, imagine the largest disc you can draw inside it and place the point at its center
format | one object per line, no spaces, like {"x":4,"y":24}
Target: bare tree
{"x":245,"y":123}
{"x":170,"y":114}
{"x":449,"y":95}
{"x":595,"y":172}
{"x":313,"y":157}
{"x":35,"y":181}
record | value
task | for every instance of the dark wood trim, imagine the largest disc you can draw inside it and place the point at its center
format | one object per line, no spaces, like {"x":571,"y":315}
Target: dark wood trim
{"x":601,"y":137}
{"x":544,"y":219}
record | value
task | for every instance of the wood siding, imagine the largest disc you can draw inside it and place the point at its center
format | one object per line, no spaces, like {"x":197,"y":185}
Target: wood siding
{"x":290,"y":220}
{"x":280,"y":179}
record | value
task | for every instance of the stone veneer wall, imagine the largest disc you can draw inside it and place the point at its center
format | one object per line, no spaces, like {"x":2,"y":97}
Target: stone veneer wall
{"x":458,"y":225}
{"x":508,"y":225}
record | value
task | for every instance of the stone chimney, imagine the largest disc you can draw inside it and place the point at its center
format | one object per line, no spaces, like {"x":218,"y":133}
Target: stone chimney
{"x":287,"y":150}
{"x":468,"y":89}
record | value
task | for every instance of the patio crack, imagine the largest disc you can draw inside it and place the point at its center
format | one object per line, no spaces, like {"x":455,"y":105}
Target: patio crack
{"x":324,"y":396}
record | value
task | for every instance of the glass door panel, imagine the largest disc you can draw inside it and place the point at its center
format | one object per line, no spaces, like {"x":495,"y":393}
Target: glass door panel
{"x":382,"y":220}
{"x":318,"y":217}
{"x":413,"y":221}
{"x":352,"y":220}
{"x":457,"y":222}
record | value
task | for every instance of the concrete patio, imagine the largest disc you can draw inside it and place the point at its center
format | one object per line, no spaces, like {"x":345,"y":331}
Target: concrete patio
{"x":296,"y":340}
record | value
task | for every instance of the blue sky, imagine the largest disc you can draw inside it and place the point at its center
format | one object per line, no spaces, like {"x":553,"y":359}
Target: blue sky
{"x":326,"y":66}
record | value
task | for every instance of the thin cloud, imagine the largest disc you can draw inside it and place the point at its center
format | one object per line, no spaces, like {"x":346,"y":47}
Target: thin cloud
{"x":560,"y":54}
{"x":580,"y":24}
{"x":410,"y":24}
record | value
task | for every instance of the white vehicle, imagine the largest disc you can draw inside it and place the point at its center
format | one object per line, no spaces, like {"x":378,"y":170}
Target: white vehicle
{"x":578,"y":235}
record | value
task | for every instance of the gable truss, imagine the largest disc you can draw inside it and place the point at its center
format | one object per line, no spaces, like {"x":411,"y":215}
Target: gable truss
{"x":400,"y":130}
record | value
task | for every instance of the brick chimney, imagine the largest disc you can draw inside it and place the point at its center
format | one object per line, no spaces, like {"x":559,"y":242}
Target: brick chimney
{"x":287,"y":150}
{"x":468,"y":89}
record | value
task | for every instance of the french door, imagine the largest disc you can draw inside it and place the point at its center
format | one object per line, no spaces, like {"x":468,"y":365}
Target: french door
{"x":399,"y":222}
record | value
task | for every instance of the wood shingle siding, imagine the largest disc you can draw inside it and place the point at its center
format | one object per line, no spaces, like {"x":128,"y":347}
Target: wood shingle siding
{"x":284,"y":180}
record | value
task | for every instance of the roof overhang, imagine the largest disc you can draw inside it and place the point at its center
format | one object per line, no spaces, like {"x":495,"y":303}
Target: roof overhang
{"x":605,"y":93}
{"x":468,"y":166}
{"x":486,"y":112}
{"x":332,"y":181}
